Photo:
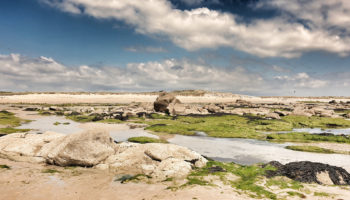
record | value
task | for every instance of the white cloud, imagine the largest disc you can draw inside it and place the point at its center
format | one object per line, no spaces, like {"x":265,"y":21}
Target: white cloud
{"x":204,"y":28}
{"x":18,"y":73}
{"x":302,"y":80}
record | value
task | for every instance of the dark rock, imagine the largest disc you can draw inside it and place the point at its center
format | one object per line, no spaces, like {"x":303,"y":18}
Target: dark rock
{"x":162,"y":102}
{"x":31,"y":109}
{"x":74,"y":113}
{"x":325,"y":134}
{"x":308,"y":172}
{"x":214,"y":169}
{"x":333,"y":102}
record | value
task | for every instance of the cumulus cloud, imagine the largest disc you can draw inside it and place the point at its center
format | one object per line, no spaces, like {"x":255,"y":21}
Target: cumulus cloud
{"x":20,"y":73}
{"x":198,"y":28}
{"x":302,"y":80}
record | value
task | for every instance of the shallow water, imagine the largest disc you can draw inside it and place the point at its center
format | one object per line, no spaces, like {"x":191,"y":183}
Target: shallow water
{"x":44,"y":124}
{"x":242,"y":151}
{"x":47,"y":124}
{"x":319,"y":130}
{"x":247,"y":151}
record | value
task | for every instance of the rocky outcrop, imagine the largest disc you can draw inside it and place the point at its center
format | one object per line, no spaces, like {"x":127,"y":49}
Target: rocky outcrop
{"x":311,"y":172}
{"x":160,"y":161}
{"x":273,"y":116}
{"x":97,"y":149}
{"x":301,"y":111}
{"x":26,"y":147}
{"x":163,"y":101}
{"x":82,"y":149}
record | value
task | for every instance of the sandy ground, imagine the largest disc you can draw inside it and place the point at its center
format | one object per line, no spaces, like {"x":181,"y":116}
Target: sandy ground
{"x":128,"y":98}
{"x":26,"y":181}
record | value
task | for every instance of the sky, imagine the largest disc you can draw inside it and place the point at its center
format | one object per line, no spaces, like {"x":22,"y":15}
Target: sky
{"x":252,"y":47}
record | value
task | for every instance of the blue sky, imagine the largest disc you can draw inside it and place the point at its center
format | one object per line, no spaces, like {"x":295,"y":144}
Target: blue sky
{"x":255,"y":47}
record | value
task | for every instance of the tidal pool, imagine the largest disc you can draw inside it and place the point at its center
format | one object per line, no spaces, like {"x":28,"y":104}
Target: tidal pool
{"x":44,"y":124}
{"x":47,"y":123}
{"x":319,"y":130}
{"x":248,"y":151}
{"x":242,"y":151}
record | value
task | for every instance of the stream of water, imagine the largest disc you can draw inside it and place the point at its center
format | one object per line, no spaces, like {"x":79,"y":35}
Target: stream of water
{"x":242,"y":151}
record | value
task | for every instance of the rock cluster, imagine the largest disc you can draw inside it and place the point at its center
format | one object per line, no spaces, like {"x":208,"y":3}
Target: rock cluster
{"x":97,"y":149}
{"x":311,"y":172}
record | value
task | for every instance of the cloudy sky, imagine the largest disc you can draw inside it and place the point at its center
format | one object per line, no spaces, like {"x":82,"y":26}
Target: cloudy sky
{"x":254,"y":47}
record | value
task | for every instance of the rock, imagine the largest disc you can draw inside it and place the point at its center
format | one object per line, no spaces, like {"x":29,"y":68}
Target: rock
{"x":177,"y":109}
{"x":162,"y":102}
{"x":102,"y":167}
{"x":172,"y":167}
{"x":273,"y":116}
{"x":86,"y":149}
{"x":243,"y":102}
{"x":301,"y":111}
{"x":212,"y":108}
{"x":31,"y":109}
{"x":282,"y":113}
{"x":160,"y":161}
{"x":26,"y":147}
{"x":96,"y":149}
{"x":332,"y":102}
{"x":347,"y":115}
{"x":311,"y":172}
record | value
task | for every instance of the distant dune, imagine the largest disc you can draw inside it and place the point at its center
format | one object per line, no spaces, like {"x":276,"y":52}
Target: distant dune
{"x":186,"y":96}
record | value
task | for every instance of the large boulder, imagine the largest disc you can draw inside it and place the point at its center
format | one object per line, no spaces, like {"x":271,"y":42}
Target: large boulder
{"x":302,"y":111}
{"x":311,"y":172}
{"x":273,"y":116}
{"x":82,"y":149}
{"x":160,"y":161}
{"x":26,"y":147}
{"x":96,"y":149}
{"x":162,"y":102}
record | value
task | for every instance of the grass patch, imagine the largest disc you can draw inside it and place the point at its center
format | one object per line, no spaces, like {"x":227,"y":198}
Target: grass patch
{"x":56,"y":123}
{"x":81,"y":118}
{"x":234,"y":126}
{"x":111,"y":121}
{"x":293,"y":193}
{"x":316,"y":122}
{"x":9,"y":119}
{"x":249,"y":176}
{"x":215,"y":126}
{"x":50,"y":171}
{"x":284,"y":183}
{"x":144,"y":140}
{"x":12,"y":130}
{"x":5,"y":167}
{"x":306,"y":137}
{"x":321,"y":194}
{"x":312,"y":149}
